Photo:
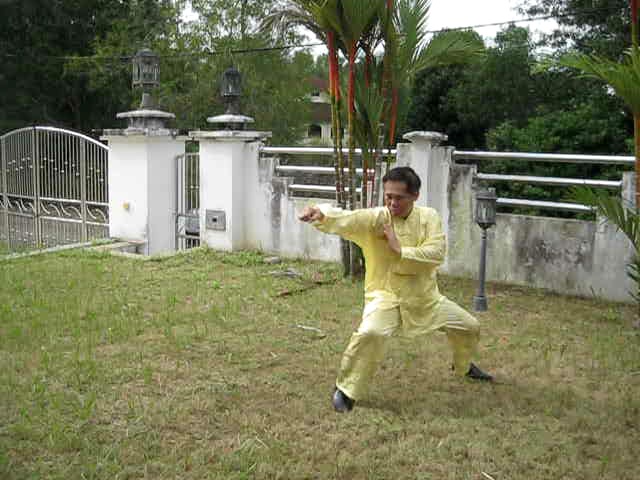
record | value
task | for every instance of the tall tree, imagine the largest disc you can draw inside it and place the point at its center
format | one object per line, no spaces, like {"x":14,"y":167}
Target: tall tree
{"x":39,"y":39}
{"x":357,"y":28}
{"x":591,"y":26}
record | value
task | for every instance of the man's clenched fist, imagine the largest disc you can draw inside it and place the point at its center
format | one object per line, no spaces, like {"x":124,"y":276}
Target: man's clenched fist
{"x":311,"y":214}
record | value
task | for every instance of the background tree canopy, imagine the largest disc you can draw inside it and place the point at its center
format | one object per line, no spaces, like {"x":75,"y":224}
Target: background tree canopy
{"x":67,"y":63}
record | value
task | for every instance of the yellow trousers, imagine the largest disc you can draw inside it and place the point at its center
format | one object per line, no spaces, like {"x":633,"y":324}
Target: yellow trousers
{"x":366,"y":349}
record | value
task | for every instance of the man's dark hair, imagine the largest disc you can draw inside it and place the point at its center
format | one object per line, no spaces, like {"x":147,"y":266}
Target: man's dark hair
{"x":405,"y":175}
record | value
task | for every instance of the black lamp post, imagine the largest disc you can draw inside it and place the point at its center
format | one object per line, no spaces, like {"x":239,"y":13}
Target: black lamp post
{"x":485,"y":217}
{"x":146,"y":74}
{"x":231,"y":90}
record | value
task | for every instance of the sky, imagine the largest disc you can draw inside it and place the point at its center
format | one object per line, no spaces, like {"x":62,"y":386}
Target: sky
{"x":464,"y":13}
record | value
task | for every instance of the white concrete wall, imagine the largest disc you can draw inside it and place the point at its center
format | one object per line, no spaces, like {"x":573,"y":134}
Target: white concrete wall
{"x":272,"y":220}
{"x":566,"y":256}
{"x":577,"y":257}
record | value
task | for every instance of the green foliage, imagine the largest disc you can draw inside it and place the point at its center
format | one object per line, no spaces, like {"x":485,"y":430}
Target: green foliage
{"x":40,"y":80}
{"x":599,"y":27}
{"x":613,"y":209}
{"x":465,"y":102}
{"x":72,"y":63}
{"x":623,"y":76}
{"x":585,"y":128}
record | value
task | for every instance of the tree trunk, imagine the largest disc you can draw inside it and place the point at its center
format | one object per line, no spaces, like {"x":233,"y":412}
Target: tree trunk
{"x":334,"y":92}
{"x":355,"y":257}
{"x":351,"y":108}
{"x":394,"y":116}
{"x":636,"y":136}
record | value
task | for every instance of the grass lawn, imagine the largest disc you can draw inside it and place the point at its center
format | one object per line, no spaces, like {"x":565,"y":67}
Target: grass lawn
{"x":194,"y":367}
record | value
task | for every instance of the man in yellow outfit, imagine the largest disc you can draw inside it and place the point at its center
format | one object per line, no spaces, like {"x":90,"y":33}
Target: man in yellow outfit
{"x":403,"y":245}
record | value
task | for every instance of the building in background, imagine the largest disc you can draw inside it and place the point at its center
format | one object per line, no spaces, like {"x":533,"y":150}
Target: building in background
{"x":319,"y":130}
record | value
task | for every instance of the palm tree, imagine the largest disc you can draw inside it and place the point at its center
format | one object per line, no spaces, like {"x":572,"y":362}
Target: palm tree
{"x":318,"y":16}
{"x":412,"y":53}
{"x":373,"y":96}
{"x":353,"y":20}
{"x":624,"y":78}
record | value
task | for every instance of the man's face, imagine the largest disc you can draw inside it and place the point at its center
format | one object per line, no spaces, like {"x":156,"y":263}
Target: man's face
{"x":397,"y":199}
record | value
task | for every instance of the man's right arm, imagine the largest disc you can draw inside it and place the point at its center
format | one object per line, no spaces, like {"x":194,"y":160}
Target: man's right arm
{"x":349,"y":224}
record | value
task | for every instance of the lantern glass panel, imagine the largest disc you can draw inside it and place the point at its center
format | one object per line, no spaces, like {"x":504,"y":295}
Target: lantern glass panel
{"x":231,"y":83}
{"x":146,"y":69}
{"x":486,"y":208}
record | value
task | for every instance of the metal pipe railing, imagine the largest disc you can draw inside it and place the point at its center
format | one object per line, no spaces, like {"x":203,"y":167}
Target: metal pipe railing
{"x":569,"y":207}
{"x":472,"y":155}
{"x":314,"y":170}
{"x":317,"y":188}
{"x":328,"y":151}
{"x":553,"y":181}
{"x":545,"y":157}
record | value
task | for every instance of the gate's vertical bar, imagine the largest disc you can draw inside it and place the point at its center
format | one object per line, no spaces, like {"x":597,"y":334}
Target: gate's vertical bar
{"x":83,"y":187}
{"x":5,"y":190}
{"x":177,"y":215}
{"x":36,"y":185}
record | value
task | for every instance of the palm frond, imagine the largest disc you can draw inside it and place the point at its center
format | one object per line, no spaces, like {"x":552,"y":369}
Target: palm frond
{"x":291,"y":16}
{"x":357,"y":17}
{"x":369,"y":110}
{"x":450,"y":48}
{"x":633,"y":272}
{"x":623,"y":77}
{"x":411,"y":20}
{"x":626,"y":219}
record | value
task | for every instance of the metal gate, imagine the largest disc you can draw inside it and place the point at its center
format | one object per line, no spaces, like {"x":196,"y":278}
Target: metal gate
{"x":188,"y":199}
{"x":53,"y":188}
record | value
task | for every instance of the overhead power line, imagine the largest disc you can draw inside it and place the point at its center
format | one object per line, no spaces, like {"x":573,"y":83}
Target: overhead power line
{"x":585,"y":11}
{"x":288,"y":47}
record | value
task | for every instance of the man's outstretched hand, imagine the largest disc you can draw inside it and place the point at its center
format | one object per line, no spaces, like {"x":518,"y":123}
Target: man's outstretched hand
{"x":311,"y":214}
{"x":392,"y":239}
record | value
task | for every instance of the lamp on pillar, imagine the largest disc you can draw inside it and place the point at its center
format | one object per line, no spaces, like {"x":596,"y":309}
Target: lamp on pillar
{"x":231,"y":91}
{"x":146,"y":74}
{"x":485,"y":217}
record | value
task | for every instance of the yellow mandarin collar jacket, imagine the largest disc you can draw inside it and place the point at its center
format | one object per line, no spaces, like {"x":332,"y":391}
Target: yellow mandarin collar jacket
{"x":408,"y":280}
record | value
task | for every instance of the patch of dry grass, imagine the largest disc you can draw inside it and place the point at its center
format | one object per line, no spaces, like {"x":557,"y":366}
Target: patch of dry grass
{"x":194,"y":367}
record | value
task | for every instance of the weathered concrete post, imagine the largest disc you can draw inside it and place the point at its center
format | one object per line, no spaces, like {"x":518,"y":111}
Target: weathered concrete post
{"x":142,"y":169}
{"x":229,"y":173}
{"x":142,"y":185}
{"x":228,"y":184}
{"x":432,"y":162}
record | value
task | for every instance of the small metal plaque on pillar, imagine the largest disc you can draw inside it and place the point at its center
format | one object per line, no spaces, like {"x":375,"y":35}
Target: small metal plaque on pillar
{"x":215,"y":220}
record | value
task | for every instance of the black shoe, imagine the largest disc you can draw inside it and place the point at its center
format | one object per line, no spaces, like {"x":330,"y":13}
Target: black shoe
{"x":477,"y":374}
{"x":341,"y":402}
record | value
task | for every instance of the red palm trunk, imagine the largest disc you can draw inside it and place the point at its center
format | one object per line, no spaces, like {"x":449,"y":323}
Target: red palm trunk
{"x":394,"y":116}
{"x":334,"y":92}
{"x":634,"y":22}
{"x":351,"y":111}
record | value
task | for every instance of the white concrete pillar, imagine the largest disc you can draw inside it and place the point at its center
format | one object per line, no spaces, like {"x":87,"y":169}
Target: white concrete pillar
{"x":228,"y":183}
{"x":142,"y":186}
{"x":432,"y":162}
